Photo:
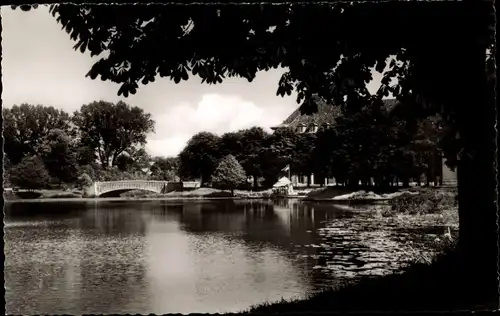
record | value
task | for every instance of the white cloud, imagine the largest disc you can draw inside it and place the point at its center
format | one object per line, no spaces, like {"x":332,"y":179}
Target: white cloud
{"x":216,"y":113}
{"x":167,"y":147}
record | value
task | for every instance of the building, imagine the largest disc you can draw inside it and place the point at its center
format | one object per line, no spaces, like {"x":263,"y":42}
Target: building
{"x":438,"y":172}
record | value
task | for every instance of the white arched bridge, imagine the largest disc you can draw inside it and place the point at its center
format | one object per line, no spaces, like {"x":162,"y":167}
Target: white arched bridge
{"x":100,"y":188}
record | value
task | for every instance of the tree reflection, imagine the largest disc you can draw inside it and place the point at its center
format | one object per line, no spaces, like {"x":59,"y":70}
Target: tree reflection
{"x":46,"y":210}
{"x":147,"y":256}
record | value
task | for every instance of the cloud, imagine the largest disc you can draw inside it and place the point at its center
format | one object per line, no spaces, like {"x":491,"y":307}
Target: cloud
{"x":167,"y":147}
{"x":216,"y":113}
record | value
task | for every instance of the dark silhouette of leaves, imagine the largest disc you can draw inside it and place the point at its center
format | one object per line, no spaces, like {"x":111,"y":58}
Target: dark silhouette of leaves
{"x":25,"y":126}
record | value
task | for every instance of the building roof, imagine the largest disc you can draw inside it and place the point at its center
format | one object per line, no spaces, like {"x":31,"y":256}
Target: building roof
{"x":326,"y":114}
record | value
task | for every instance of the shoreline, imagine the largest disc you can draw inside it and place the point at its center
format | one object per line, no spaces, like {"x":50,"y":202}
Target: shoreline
{"x":189,"y":198}
{"x":166,"y":198}
{"x":202,"y":198}
{"x":327,"y":195}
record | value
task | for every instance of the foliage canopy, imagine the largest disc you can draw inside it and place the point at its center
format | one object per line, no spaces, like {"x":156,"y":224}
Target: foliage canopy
{"x":110,"y":129}
{"x":30,"y":174}
{"x":229,"y":174}
{"x":139,"y":41}
{"x":25,"y":127}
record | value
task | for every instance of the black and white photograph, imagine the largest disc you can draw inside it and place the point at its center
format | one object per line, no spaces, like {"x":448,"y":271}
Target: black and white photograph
{"x":249,"y":157}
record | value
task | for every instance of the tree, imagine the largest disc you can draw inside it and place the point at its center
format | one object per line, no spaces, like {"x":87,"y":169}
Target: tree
{"x":229,"y":174}
{"x":30,"y":174}
{"x":253,"y":141}
{"x":58,"y":155}
{"x":247,"y":146}
{"x":25,"y":126}
{"x":323,"y":152}
{"x":447,"y":51}
{"x":232,"y":144}
{"x":124,"y":162}
{"x":277,"y":153}
{"x":200,"y":156}
{"x":303,"y":155}
{"x":141,"y":160}
{"x":359,"y":143}
{"x":85,"y":155}
{"x":110,"y":129}
{"x":165,"y":168}
{"x":375,"y":143}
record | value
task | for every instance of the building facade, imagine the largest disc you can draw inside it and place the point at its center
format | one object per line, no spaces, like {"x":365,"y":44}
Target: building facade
{"x":437,"y":174}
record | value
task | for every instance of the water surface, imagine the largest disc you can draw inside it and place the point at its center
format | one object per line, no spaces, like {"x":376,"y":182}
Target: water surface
{"x":159,"y":257}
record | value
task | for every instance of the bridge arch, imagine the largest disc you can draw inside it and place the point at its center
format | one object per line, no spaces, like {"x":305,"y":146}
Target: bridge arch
{"x":101,"y":188}
{"x":106,"y":187}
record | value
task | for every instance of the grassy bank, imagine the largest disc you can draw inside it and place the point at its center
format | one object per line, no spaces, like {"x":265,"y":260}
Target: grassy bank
{"x":427,"y":201}
{"x":339,"y":192}
{"x":41,"y":194}
{"x":199,"y":193}
{"x":399,"y":199}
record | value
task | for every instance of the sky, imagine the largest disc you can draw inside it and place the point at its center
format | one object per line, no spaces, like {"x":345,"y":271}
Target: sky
{"x":39,"y":66}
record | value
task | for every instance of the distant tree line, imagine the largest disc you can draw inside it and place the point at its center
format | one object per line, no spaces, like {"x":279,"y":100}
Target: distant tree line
{"x":48,"y":148}
{"x":373,"y":144}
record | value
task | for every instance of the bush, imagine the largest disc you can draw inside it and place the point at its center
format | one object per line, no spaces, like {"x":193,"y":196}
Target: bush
{"x":29,"y":174}
{"x":140,"y":194}
{"x":89,"y":171}
{"x":220,"y":194}
{"x":84,"y":180}
{"x":428,"y":201}
{"x":28,"y":194}
{"x":62,"y":195}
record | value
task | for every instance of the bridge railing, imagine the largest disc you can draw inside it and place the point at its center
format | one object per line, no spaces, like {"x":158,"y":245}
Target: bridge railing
{"x":100,"y":187}
{"x":131,"y":181}
{"x":186,"y":184}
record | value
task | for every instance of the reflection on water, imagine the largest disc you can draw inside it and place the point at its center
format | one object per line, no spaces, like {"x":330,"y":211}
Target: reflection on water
{"x":168,"y":257}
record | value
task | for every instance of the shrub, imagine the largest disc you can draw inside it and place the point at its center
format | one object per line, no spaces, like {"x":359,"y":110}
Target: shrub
{"x":221,"y":194}
{"x":29,"y":194}
{"x":84,"y":180}
{"x":62,"y":195}
{"x":30,"y":174}
{"x":139,"y":194}
{"x":428,"y":201}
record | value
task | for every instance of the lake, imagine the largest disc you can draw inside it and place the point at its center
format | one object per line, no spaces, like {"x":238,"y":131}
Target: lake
{"x":107,"y":257}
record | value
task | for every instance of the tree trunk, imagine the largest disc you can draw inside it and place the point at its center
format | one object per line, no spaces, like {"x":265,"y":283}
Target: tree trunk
{"x":406,"y":182}
{"x":478,"y":240}
{"x":255,"y":182}
{"x":232,"y":192}
{"x":115,"y":156}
